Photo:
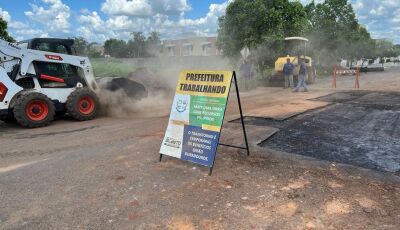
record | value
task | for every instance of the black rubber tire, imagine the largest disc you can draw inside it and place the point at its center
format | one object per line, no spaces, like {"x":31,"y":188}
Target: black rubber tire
{"x":73,"y":107}
{"x":20,"y":110}
{"x":9,"y":118}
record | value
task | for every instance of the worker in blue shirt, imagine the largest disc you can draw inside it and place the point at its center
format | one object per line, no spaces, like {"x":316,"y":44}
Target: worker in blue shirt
{"x":288,"y":73}
{"x":302,"y":76}
{"x":246,"y":73}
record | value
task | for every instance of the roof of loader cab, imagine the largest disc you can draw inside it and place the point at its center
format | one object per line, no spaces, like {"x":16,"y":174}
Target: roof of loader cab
{"x":52,"y":44}
{"x":66,"y":42}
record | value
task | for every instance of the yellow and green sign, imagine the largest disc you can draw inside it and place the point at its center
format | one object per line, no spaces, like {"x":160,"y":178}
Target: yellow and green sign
{"x":197,"y":115}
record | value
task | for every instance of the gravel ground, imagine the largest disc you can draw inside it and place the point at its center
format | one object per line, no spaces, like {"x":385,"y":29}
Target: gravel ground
{"x":105,"y":174}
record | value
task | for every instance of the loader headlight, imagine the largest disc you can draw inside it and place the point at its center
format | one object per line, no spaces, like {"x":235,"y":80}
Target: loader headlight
{"x":3,"y":91}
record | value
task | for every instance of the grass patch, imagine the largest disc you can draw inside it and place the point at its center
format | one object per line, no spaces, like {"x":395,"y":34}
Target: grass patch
{"x":108,"y":67}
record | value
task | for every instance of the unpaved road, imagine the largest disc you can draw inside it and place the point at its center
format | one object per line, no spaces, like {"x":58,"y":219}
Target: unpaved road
{"x":105,"y":174}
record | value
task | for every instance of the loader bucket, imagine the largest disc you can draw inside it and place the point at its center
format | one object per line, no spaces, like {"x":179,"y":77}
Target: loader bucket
{"x":132,"y":88}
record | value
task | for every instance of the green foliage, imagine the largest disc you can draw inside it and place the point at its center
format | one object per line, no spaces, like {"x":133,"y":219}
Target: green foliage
{"x":108,"y":67}
{"x":3,"y":31}
{"x":331,"y":26}
{"x":94,"y":50}
{"x":395,"y":51}
{"x":335,"y":32}
{"x":385,"y":48}
{"x":80,"y":46}
{"x":138,"y":46}
{"x":260,"y":23}
{"x":84,"y":48}
{"x":116,"y":48}
{"x":153,"y":44}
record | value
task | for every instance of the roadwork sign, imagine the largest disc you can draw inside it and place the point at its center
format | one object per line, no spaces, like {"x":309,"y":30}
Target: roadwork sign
{"x":197,"y":115}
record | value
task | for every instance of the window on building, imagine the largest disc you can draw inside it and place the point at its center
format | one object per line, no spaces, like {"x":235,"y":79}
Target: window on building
{"x":206,"y":48}
{"x":187,"y":50}
{"x":171,"y":50}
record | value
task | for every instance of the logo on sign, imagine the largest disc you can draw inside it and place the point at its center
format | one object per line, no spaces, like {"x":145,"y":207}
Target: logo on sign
{"x":171,"y":142}
{"x":181,"y":105}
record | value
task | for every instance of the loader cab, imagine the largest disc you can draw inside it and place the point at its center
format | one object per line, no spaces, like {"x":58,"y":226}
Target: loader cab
{"x":59,"y":75}
{"x":55,"y":45}
{"x":296,"y":47}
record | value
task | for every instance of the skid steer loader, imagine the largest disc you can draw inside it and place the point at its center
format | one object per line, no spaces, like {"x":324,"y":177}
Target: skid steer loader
{"x":41,"y":77}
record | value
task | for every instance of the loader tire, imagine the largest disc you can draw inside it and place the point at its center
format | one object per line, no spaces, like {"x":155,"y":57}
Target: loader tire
{"x":33,"y":110}
{"x":9,"y":118}
{"x":83,"y":104}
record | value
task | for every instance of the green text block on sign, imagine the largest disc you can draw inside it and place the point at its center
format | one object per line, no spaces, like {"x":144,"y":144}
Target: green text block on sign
{"x":206,"y":111}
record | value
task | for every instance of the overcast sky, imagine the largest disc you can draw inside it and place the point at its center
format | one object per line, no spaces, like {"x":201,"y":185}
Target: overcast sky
{"x":98,"y":20}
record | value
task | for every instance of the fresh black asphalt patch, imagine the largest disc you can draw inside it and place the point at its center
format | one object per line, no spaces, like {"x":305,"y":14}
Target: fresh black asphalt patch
{"x":360,"y":128}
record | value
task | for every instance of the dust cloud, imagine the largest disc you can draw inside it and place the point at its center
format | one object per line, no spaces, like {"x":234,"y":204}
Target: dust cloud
{"x":118,"y":104}
{"x":123,"y":100}
{"x":159,"y":77}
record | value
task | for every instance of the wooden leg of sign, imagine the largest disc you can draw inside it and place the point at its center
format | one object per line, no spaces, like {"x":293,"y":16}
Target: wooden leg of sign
{"x":241,"y":114}
{"x":160,"y":157}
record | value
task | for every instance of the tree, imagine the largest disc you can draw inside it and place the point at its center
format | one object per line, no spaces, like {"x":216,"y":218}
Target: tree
{"x":335,"y":32}
{"x":260,"y":25}
{"x":153,"y":43}
{"x":3,"y":31}
{"x":386,"y":48}
{"x":94,"y":50}
{"x":137,"y":45}
{"x":81,"y":46}
{"x":140,"y":46}
{"x":396,"y":50}
{"x":116,"y":48}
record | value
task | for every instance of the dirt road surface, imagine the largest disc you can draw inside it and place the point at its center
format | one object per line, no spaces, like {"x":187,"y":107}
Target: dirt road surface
{"x":105,"y":174}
